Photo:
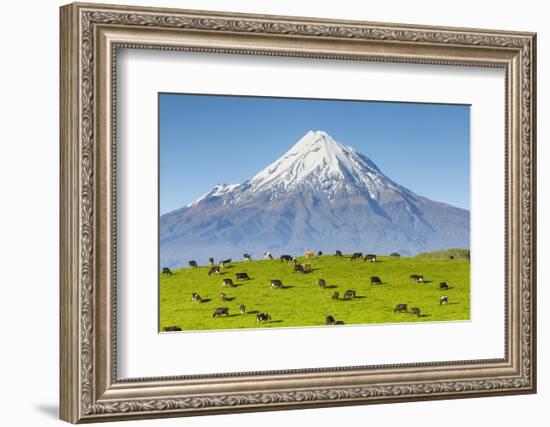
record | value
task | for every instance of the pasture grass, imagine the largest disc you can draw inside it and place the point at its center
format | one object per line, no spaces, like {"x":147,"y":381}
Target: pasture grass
{"x":303,"y":303}
{"x":457,"y":253}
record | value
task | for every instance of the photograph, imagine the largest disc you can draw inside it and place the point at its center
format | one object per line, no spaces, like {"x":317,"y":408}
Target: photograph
{"x":298,"y":212}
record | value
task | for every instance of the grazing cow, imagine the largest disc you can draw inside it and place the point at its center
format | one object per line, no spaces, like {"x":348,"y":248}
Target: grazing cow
{"x":309,"y":254}
{"x":299,"y":268}
{"x":329,"y":320}
{"x":276,"y":284}
{"x":267,"y":255}
{"x":443,"y":300}
{"x":193,"y":264}
{"x":417,"y":278}
{"x":287,"y":258}
{"x":171,"y":329}
{"x":339,"y":322}
{"x":357,"y":255}
{"x":196,"y":297}
{"x":225,"y":261}
{"x":221,"y":310}
{"x":443,"y":286}
{"x":307,"y":267}
{"x":322,"y":283}
{"x":262,"y":317}
{"x":350,"y":293}
{"x":338,"y":253}
{"x":396,"y":254}
{"x":242,"y":276}
{"x":210,"y":261}
{"x":223,"y":297}
{"x":213,"y":270}
{"x":227,"y":282}
{"x":336,"y":296}
{"x":242,"y":309}
{"x":247,"y":257}
{"x":375,"y":280}
{"x":370,"y":257}
{"x":415,"y":311}
{"x":320,"y":253}
{"x":399,"y":308}
{"x":166,"y":270}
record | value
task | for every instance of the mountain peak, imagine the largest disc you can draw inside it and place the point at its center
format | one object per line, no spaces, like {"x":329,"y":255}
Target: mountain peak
{"x":319,"y":162}
{"x":315,"y":139}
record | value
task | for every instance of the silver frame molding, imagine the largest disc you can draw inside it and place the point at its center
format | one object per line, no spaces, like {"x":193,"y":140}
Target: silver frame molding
{"x":90,"y":37}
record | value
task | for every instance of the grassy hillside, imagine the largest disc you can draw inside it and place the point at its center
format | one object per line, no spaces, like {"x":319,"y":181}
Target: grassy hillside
{"x":456,"y":253}
{"x":303,"y":303}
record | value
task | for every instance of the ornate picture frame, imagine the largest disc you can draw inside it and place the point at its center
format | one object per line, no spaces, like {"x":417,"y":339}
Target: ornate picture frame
{"x":90,"y":37}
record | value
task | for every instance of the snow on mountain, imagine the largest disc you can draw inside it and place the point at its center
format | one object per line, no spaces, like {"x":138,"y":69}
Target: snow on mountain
{"x":317,"y":161}
{"x":218,"y":191}
{"x":320,"y":194}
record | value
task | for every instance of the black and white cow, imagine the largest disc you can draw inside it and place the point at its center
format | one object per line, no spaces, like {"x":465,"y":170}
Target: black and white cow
{"x":322,"y":283}
{"x":214,"y":270}
{"x":242,"y":276}
{"x":399,"y":308}
{"x":227,"y":282}
{"x":267,"y":255}
{"x":350,"y":293}
{"x":193,"y":264}
{"x":443,"y":286}
{"x":166,"y":270}
{"x":443,"y":300}
{"x":286,"y":258}
{"x":247,"y":257}
{"x":329,"y":320}
{"x":335,"y":296}
{"x":375,"y":280}
{"x":262,"y":317}
{"x":242,"y":309}
{"x":370,"y":257}
{"x":221,"y":310}
{"x":417,"y":278}
{"x":415,"y":311}
{"x":224,"y":262}
{"x":210,"y":261}
{"x":299,"y":268}
{"x":357,"y":255}
{"x":276,"y":284}
{"x":196,"y":297}
{"x":338,"y":253}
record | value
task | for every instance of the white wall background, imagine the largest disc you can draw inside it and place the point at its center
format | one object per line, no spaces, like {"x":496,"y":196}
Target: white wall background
{"x":29,"y":170}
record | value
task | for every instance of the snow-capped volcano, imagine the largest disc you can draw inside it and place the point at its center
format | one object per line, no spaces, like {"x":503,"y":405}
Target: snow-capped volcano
{"x":320,"y":194}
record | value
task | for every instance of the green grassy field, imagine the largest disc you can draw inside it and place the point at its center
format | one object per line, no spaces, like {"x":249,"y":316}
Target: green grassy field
{"x":303,"y":303}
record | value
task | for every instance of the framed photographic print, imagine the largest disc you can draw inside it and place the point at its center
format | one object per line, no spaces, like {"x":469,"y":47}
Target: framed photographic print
{"x":265,"y":212}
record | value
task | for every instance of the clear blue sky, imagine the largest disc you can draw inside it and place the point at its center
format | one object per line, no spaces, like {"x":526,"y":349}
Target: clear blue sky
{"x":207,"y":140}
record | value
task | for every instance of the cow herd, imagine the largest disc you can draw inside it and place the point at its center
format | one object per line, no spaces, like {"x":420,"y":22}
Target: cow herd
{"x":261,"y":317}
